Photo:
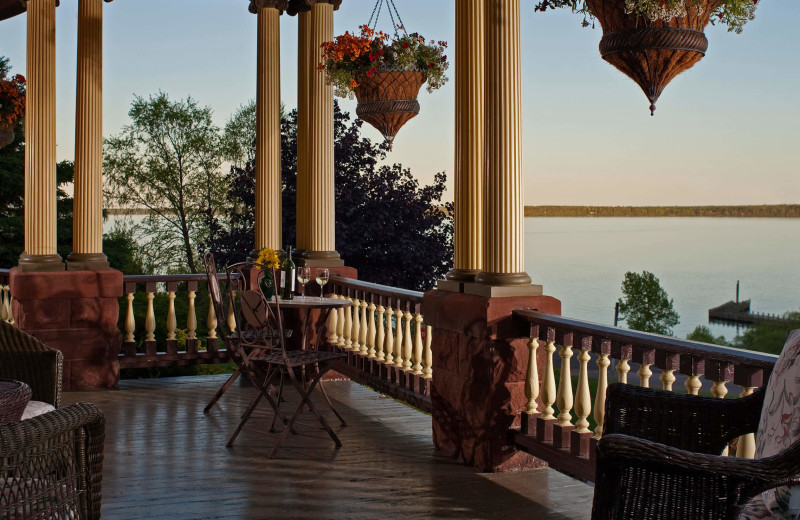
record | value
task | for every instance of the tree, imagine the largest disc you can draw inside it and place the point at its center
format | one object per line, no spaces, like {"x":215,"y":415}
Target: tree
{"x":703,"y":333}
{"x":390,"y":228}
{"x":239,"y":135}
{"x":768,"y":336}
{"x":646,"y":306}
{"x":167,"y":161}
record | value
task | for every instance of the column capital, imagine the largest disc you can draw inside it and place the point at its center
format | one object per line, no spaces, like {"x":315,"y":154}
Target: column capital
{"x":301,"y":6}
{"x":255,"y":5}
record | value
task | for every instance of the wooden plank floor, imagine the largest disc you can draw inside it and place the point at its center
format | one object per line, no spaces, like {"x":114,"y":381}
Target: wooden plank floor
{"x":165,"y":459}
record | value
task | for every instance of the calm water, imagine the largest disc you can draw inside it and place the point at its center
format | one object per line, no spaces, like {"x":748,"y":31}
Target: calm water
{"x":582,"y":261}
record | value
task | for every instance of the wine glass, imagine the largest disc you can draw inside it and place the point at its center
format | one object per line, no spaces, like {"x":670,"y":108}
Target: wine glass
{"x":304,"y":276}
{"x":322,"y":278}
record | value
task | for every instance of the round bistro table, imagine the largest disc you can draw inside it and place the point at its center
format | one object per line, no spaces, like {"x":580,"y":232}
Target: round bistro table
{"x":304,"y":305}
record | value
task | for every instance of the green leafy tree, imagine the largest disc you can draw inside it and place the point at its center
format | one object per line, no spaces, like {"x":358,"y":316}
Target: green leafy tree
{"x":389,"y":227}
{"x":769,"y":337}
{"x":645,"y":305}
{"x":239,"y":135}
{"x":703,"y":333}
{"x":167,"y":161}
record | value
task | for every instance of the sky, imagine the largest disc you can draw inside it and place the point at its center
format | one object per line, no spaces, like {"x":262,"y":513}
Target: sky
{"x":725,"y":132}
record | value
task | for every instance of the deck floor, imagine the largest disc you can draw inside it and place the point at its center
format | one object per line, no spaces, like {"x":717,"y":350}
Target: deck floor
{"x":165,"y":459}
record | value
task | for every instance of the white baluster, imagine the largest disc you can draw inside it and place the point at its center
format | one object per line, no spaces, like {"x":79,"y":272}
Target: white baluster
{"x":333,"y":323}
{"x":172,"y":321}
{"x":398,"y":339}
{"x":211,"y":319}
{"x":622,"y":371}
{"x":407,"y":343}
{"x":355,"y":329}
{"x":565,"y":398}
{"x":693,"y":384}
{"x":417,"y":367}
{"x":667,"y":378}
{"x":3,"y":312}
{"x":532,"y":379}
{"x":600,"y":399}
{"x":747,"y":442}
{"x":191,"y":318}
{"x":380,"y":333}
{"x":348,"y":325}
{"x":644,"y":373}
{"x":583,"y":402}
{"x":130,"y":321}
{"x":371,"y":333}
{"x":427,"y":372}
{"x":9,"y":304}
{"x":150,"y":318}
{"x":549,"y":386}
{"x":231,"y":316}
{"x":363,"y":336}
{"x":389,"y":336}
{"x":340,"y":331}
{"x":719,"y":390}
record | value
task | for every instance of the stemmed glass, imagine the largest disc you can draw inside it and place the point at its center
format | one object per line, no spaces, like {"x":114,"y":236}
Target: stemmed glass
{"x":322,"y":278}
{"x":303,"y":276}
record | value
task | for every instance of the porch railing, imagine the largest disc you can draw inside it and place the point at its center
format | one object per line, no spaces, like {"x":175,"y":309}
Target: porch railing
{"x":5,"y":298}
{"x":384,"y":334}
{"x":556,"y":424}
{"x":188,"y":349}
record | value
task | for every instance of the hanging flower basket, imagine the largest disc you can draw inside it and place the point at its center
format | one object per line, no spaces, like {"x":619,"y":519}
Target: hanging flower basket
{"x":388,"y":99}
{"x":652,"y":41}
{"x":6,"y":133}
{"x":384,"y":74}
{"x":12,"y":102}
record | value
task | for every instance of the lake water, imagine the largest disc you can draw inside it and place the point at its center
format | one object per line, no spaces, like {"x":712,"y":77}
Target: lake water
{"x":582,"y":261}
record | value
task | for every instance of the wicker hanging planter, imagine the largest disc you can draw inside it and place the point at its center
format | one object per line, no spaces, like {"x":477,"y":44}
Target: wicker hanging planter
{"x":388,"y":99}
{"x":6,"y":133}
{"x":651,"y":53}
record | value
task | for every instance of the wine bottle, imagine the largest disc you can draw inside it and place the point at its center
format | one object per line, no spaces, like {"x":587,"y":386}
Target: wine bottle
{"x":287,"y":276}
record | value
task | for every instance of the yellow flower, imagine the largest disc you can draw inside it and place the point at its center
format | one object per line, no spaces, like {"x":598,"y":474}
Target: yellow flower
{"x":268,"y":258}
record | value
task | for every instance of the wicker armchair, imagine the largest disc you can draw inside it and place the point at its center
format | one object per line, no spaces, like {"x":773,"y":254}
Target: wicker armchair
{"x":659,"y":456}
{"x":51,"y":466}
{"x":25,"y":358}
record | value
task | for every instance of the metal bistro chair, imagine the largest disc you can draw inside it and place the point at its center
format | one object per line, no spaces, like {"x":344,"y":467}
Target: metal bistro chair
{"x":302,"y":368}
{"x":253,"y":338}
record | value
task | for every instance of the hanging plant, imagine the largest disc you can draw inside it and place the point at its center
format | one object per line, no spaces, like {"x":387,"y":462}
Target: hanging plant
{"x":12,"y":102}
{"x":652,"y":41}
{"x":384,"y":74}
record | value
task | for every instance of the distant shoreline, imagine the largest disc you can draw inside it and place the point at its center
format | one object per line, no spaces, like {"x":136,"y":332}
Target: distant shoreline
{"x":761,"y":211}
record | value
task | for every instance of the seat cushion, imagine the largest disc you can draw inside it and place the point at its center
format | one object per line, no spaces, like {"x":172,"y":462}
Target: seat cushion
{"x":755,"y":510}
{"x":779,"y":426}
{"x":35,"y":408}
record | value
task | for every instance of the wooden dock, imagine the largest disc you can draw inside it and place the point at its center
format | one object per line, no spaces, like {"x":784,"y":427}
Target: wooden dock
{"x":738,"y":313}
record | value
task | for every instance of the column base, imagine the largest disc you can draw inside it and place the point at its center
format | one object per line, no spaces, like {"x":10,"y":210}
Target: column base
{"x":87,"y":262}
{"x":462,"y":275}
{"x":39,"y":263}
{"x":499,"y":291}
{"x":320,"y":259}
{"x":503,"y":279}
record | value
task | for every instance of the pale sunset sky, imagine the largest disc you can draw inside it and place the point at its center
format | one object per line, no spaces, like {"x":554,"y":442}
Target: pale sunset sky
{"x":725,"y":132}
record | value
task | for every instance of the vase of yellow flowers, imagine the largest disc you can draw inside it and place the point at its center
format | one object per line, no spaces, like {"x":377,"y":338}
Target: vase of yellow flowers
{"x":267,"y":261}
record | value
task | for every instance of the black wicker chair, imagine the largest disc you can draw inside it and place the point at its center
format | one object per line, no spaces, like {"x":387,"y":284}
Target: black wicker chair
{"x":51,"y":465}
{"x":659,"y":457}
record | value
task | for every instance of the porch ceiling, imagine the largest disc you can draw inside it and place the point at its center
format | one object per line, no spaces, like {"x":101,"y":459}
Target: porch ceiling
{"x":9,"y":8}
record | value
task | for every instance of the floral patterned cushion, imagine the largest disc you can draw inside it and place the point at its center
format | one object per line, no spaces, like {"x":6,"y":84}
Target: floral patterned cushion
{"x":755,"y":510}
{"x":35,"y":408}
{"x":779,"y":426}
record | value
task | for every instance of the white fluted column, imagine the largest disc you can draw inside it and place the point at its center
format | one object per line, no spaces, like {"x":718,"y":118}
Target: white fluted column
{"x":469,"y":140}
{"x":503,"y":262}
{"x":268,"y":123}
{"x":40,"y":141}
{"x":303,"y":72}
{"x":87,"y":206}
{"x":321,"y":211}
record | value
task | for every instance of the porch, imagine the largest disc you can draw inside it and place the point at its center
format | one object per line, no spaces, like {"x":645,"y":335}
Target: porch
{"x":165,"y":459}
